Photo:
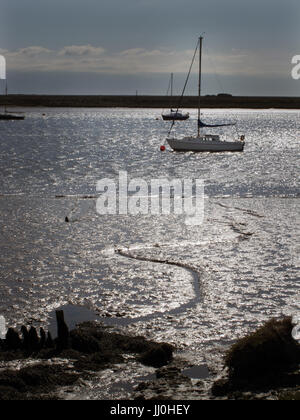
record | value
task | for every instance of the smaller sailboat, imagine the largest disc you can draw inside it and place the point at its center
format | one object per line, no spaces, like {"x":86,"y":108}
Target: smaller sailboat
{"x":205,"y":142}
{"x":175,"y":115}
{"x":8,"y":116}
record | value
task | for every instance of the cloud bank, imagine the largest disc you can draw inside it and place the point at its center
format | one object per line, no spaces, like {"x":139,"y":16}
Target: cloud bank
{"x":96,"y":59}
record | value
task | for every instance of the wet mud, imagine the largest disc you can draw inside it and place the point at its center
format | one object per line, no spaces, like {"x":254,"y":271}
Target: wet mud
{"x":263,"y":365}
{"x":91,"y":347}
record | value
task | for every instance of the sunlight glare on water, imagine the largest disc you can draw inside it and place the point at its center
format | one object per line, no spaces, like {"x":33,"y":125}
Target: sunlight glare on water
{"x":245,"y":254}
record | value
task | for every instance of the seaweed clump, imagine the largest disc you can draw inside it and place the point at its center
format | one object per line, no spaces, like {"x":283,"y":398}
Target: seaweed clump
{"x":157,"y":356}
{"x":266,"y":359}
{"x":103,"y":346}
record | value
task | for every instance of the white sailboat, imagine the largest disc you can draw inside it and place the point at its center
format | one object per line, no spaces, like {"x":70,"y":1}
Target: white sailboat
{"x":175,"y":115}
{"x":205,"y":142}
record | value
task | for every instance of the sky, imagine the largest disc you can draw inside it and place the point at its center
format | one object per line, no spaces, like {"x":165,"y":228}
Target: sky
{"x":124,"y":46}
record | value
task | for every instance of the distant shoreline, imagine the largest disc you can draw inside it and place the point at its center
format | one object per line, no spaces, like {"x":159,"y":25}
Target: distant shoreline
{"x":113,"y":101}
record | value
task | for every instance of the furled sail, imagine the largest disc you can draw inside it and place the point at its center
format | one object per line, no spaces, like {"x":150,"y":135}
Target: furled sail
{"x":202,"y":125}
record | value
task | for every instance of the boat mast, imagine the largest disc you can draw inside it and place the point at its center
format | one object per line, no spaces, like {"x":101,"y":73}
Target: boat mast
{"x":200,"y":80}
{"x":172,"y":76}
{"x":6,"y":94}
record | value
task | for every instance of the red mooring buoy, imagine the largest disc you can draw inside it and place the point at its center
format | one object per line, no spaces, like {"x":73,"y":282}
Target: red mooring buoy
{"x":162,"y":148}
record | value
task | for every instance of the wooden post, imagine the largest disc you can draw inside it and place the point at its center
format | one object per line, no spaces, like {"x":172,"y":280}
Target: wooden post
{"x":62,"y":330}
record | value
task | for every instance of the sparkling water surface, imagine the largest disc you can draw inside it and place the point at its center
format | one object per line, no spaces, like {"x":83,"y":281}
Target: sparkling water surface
{"x":245,"y":255}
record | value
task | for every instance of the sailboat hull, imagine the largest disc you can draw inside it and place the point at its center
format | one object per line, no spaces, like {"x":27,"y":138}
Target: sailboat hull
{"x":175,"y":117}
{"x":194,"y":144}
{"x":10,"y":117}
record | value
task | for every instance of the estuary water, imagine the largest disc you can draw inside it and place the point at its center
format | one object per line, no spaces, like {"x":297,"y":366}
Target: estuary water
{"x":199,"y":287}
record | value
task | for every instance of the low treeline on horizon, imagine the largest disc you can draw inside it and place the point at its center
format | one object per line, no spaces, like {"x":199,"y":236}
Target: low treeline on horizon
{"x":148,"y":101}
